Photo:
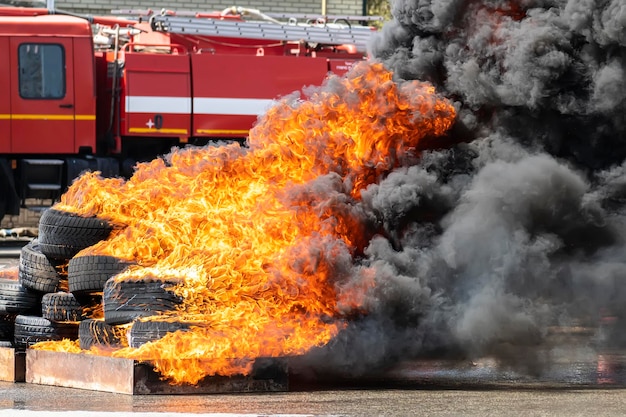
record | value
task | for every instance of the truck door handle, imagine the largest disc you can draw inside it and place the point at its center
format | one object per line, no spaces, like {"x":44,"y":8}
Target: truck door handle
{"x":66,"y":106}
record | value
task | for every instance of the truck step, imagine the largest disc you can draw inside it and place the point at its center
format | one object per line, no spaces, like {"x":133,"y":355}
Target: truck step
{"x":40,"y":179}
{"x":44,"y":187}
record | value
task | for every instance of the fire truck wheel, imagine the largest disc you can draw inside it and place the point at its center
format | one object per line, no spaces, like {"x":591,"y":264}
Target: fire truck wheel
{"x":108,"y":167}
{"x":75,"y":166}
{"x":16,"y":299}
{"x":63,"y":234}
{"x":31,"y":329}
{"x":61,"y":306}
{"x":7,"y":326}
{"x":94,"y":332}
{"x":88,"y":274}
{"x":125,"y":301}
{"x":36,"y":271}
{"x":149,"y":331}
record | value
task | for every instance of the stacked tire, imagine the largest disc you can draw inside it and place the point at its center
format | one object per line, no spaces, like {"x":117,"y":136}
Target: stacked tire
{"x":44,"y":271}
{"x":62,"y":293}
{"x":15,"y":299}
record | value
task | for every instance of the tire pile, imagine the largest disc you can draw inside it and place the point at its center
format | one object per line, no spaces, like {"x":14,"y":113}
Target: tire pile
{"x":60,"y":294}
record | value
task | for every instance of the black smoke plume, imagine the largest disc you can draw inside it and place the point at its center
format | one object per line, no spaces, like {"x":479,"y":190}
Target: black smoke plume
{"x":489,"y":245}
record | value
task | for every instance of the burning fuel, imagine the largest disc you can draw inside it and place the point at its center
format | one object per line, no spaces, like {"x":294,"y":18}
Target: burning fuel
{"x":264,"y":239}
{"x":460,"y":195}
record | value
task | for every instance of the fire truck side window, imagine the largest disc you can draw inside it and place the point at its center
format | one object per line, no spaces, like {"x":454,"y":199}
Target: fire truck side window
{"x":41,"y":71}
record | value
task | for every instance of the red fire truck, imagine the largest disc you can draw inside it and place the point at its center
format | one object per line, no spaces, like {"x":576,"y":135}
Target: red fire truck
{"x":102,"y":93}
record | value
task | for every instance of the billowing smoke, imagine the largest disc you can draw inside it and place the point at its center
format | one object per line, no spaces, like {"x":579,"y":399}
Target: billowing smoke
{"x":520,"y":227}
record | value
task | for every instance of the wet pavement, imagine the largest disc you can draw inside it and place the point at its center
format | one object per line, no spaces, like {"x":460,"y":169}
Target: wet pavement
{"x":24,"y":400}
{"x":579,"y":388}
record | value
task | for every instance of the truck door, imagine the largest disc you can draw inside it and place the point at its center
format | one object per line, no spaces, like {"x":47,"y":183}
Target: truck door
{"x":42,"y":95}
{"x":5,"y":99}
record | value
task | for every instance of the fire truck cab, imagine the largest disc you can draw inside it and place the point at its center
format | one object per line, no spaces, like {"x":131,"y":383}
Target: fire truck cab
{"x":50,"y":102}
{"x":48,"y":107}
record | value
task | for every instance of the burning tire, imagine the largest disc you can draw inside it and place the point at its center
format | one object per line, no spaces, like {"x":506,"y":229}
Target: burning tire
{"x":92,"y":332}
{"x":125,"y":301}
{"x":16,"y":299}
{"x":61,"y":306}
{"x":36,"y":271}
{"x":30,"y":330}
{"x":149,"y":331}
{"x":63,"y":234}
{"x":88,"y":274}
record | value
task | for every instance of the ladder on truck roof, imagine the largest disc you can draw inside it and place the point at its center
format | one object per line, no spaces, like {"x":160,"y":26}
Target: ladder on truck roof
{"x":265,"y":28}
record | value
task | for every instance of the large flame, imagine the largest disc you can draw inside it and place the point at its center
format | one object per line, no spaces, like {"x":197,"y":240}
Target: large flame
{"x":252,"y":232}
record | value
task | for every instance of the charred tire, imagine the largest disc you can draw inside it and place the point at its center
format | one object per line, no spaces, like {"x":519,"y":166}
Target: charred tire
{"x":61,"y":306}
{"x":36,"y":271}
{"x":30,"y":330}
{"x":149,"y":331}
{"x":125,"y":301}
{"x":15,"y":299}
{"x":63,"y":234}
{"x":92,"y":332}
{"x":7,"y":327}
{"x":88,"y":274}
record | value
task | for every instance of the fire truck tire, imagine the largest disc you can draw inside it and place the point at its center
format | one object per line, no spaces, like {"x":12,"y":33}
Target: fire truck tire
{"x":31,"y":329}
{"x":7,"y":326}
{"x":149,"y":331}
{"x":36,"y":271}
{"x":75,"y":167}
{"x":63,"y":234}
{"x":125,"y":301}
{"x":94,"y":332}
{"x":16,"y":299}
{"x":108,"y":167}
{"x":88,"y":274}
{"x":61,"y":306}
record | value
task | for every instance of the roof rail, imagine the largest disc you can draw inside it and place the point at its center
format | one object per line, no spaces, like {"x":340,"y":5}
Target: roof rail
{"x":246,"y":12}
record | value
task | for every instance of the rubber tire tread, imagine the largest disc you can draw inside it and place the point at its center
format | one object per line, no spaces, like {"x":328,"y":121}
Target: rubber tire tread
{"x":36,"y":271}
{"x":61,"y":306}
{"x":125,"y":301}
{"x":16,"y":299}
{"x":149,"y":331}
{"x":63,"y":234}
{"x":31,"y":329}
{"x":88,"y":274}
{"x":96,"y":332}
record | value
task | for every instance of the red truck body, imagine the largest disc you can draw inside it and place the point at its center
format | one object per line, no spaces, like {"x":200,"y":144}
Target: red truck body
{"x":104,"y":93}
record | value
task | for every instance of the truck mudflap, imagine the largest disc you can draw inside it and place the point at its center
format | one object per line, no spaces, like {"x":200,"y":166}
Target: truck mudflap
{"x":9,"y":198}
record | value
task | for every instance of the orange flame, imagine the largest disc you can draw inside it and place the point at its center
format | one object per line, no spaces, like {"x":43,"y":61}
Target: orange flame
{"x":253,"y":232}
{"x":10,"y":272}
